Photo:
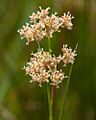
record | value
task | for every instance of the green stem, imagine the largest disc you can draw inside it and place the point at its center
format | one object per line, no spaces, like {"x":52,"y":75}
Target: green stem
{"x":49,"y":102}
{"x":38,"y":45}
{"x":48,"y":90}
{"x":65,"y":92}
{"x":66,"y":88}
{"x":49,"y":45}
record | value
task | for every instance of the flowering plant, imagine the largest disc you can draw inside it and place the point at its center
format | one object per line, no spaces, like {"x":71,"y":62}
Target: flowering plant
{"x":43,"y":65}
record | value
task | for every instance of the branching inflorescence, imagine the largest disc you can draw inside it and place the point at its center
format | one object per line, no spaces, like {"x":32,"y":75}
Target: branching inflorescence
{"x":43,"y":66}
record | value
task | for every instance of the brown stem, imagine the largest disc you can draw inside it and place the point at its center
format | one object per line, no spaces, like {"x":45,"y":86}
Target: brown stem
{"x":52,"y":96}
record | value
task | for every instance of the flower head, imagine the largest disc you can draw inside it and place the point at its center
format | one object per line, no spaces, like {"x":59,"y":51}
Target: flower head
{"x":68,"y":55}
{"x":57,"y":76}
{"x":44,"y":25}
{"x":43,"y":67}
{"x":66,"y":20}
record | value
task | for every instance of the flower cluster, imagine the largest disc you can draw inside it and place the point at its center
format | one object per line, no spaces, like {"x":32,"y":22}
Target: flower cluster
{"x":43,"y":67}
{"x":68,"y":55}
{"x":44,"y":25}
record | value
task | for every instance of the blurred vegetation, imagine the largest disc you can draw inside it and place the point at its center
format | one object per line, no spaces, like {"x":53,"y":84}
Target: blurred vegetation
{"x":20,"y":100}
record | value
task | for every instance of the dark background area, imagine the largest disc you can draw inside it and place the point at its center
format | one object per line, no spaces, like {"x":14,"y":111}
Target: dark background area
{"x":20,"y":100}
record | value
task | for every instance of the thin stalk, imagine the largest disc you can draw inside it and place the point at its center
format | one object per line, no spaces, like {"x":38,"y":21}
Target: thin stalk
{"x":49,"y":45}
{"x":52,"y":96}
{"x":65,"y":92}
{"x":49,"y":102}
{"x":48,"y":89}
{"x":52,"y":89}
{"x":66,"y":88}
{"x":38,"y":45}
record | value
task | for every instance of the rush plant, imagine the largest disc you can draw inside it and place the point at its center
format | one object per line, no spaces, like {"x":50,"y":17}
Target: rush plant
{"x":43,"y":65}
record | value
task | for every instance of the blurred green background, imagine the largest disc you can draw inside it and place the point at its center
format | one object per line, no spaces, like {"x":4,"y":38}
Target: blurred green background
{"x":20,"y":100}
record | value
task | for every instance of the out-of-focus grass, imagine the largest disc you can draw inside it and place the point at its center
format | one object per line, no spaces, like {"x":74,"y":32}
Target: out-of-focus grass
{"x":23,"y":101}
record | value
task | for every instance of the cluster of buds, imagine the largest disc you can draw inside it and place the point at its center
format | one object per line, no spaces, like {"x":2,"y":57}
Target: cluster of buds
{"x":44,"y":25}
{"x":43,"y":67}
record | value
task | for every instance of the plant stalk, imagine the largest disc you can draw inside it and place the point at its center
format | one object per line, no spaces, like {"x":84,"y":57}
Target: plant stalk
{"x":48,"y":89}
{"x":52,"y":96}
{"x":38,"y":45}
{"x":65,"y":92}
{"x":49,"y":102}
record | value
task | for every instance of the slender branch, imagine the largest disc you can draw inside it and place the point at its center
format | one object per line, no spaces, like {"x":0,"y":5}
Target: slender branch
{"x":52,"y":96}
{"x":48,"y":89}
{"x":38,"y":45}
{"x":65,"y":92}
{"x":49,"y":45}
{"x":66,"y":88}
{"x":49,"y":102}
{"x":52,"y":89}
